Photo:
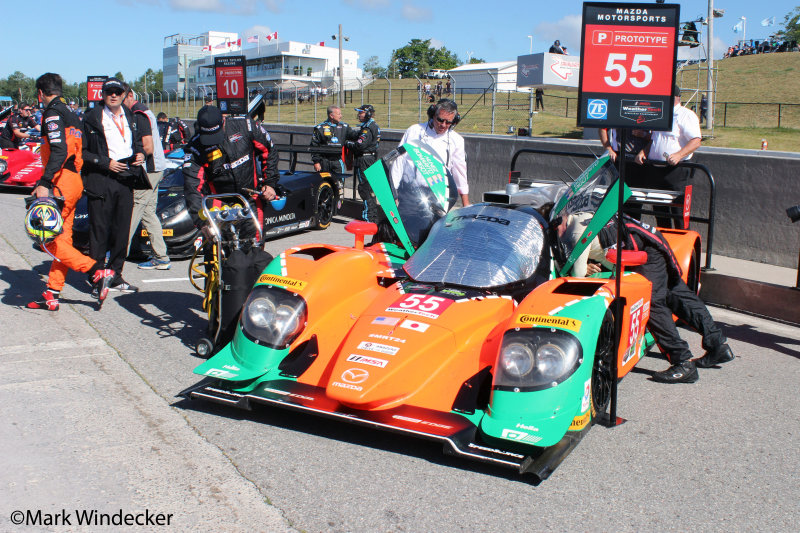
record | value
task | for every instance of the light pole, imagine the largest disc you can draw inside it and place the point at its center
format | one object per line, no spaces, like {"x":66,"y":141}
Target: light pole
{"x":531,"y":49}
{"x":341,"y":63}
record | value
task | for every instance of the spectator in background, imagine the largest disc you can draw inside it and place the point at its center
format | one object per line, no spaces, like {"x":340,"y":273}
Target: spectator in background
{"x":556,"y":48}
{"x":73,"y":105}
{"x":670,"y":148}
{"x":539,"y":98}
{"x":16,"y":129}
{"x":331,"y":132}
{"x":438,"y":134}
{"x":703,"y":108}
{"x":112,"y":158}
{"x":162,"y":122}
{"x":145,"y":200}
{"x":439,"y":88}
{"x":364,"y":144}
{"x":448,"y":88}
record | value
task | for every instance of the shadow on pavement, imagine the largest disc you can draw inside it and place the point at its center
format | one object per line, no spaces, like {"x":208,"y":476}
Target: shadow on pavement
{"x":176,"y":313}
{"x":750,"y":335}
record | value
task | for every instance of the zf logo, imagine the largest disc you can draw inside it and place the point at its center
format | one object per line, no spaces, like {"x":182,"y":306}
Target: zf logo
{"x":597,"y":109}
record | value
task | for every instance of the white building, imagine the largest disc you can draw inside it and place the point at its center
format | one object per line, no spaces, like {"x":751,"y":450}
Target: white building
{"x":478,"y":77}
{"x":189,"y":63}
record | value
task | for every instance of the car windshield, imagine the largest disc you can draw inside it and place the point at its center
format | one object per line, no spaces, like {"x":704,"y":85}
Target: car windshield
{"x":421,"y":189}
{"x":482,"y":246}
{"x":172,"y":180}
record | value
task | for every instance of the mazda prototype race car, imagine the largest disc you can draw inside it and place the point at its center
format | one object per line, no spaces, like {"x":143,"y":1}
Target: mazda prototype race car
{"x":465,"y":332}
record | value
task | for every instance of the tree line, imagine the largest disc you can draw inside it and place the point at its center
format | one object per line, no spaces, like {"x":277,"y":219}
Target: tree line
{"x":23,"y":88}
{"x":415,"y":59}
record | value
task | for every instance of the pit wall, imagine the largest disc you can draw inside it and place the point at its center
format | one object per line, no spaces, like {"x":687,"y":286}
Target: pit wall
{"x":754,"y":188}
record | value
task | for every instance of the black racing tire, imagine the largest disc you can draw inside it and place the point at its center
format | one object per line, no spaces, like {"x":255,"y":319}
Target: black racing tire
{"x":204,"y":348}
{"x":602,"y":380}
{"x":324,"y":205}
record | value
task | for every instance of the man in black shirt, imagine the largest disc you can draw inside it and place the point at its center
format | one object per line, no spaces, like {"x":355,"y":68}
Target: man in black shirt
{"x":364,"y":144}
{"x":12,"y":135}
{"x":330,"y":132}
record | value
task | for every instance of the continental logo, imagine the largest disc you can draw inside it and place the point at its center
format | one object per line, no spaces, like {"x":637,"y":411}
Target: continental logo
{"x":289,"y":283}
{"x":580,"y":422}
{"x":550,"y":321}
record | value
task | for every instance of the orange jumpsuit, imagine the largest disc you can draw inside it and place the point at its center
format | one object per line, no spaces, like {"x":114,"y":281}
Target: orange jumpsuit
{"x":62,"y":160}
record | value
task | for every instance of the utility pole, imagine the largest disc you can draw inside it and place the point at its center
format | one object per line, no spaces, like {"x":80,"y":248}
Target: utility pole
{"x":341,"y":63}
{"x":710,"y":69}
{"x":531,"y":49}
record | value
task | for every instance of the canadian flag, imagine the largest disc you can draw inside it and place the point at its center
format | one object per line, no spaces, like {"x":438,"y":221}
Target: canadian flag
{"x":272,"y":36}
{"x":414,"y":325}
{"x":322,"y":43}
{"x":207,"y":48}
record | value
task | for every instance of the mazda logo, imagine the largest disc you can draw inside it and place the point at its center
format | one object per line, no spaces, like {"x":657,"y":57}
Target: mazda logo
{"x":355,"y":375}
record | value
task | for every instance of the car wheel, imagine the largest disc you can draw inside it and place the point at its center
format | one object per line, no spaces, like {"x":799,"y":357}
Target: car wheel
{"x":323,"y":207}
{"x":204,"y":348}
{"x":602,"y":380}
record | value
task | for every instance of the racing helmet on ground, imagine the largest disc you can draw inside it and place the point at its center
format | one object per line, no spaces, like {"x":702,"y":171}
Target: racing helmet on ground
{"x":43,"y":221}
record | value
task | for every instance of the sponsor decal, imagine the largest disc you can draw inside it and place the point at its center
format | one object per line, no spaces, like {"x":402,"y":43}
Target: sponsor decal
{"x":386,"y":337}
{"x":50,"y":119}
{"x":281,"y":218}
{"x":363,"y":359}
{"x":485,"y":218}
{"x":637,"y":323}
{"x":385,"y":321}
{"x":347,"y":386}
{"x":355,"y":375}
{"x":376,"y":347}
{"x":597,"y":109}
{"x":231,"y":367}
{"x":236,"y":137}
{"x":166,"y":232}
{"x":579,"y":422}
{"x":421,"y":305}
{"x":52,"y":126}
{"x":324,"y":174}
{"x":495,"y":451}
{"x":529,"y":428}
{"x":217,"y":373}
{"x":641,"y":111}
{"x":420,"y":421}
{"x":520,"y":436}
{"x":53,"y":134}
{"x":289,"y":394}
{"x":214,"y":154}
{"x":280,"y":281}
{"x":414,"y":325}
{"x":453,"y":292}
{"x":550,"y":321}
{"x":242,"y":160}
{"x":587,"y":395}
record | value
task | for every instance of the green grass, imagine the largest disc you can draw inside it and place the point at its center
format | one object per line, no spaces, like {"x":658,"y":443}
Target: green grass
{"x":746,"y":111}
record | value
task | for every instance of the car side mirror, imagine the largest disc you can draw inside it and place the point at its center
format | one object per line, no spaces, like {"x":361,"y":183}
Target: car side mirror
{"x":629,"y":258}
{"x":360,"y":228}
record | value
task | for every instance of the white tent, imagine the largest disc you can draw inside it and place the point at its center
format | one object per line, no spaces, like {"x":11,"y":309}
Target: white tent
{"x":477,"y":77}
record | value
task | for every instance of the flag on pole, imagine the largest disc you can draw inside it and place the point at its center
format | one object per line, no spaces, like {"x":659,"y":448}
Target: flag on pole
{"x":275,"y":36}
{"x":207,"y":48}
{"x":322,"y":43}
{"x":738,"y":27}
{"x":769,"y":21}
{"x":221,"y":46}
{"x":253,"y":39}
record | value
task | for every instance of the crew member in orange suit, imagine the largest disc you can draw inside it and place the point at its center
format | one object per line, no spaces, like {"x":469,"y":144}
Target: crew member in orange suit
{"x":62,"y":160}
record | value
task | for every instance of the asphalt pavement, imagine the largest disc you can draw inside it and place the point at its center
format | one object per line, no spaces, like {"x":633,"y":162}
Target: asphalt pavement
{"x":91,"y":421}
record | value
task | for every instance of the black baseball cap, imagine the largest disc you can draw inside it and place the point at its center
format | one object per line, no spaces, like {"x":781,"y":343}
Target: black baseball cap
{"x":209,"y":125}
{"x":113,"y":83}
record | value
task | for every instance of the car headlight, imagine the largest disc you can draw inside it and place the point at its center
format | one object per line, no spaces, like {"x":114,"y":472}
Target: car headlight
{"x":535,"y":359}
{"x":273,"y":316}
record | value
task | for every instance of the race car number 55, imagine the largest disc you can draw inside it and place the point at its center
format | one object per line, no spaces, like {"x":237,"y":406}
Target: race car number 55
{"x":616,"y":64}
{"x":421,"y":305}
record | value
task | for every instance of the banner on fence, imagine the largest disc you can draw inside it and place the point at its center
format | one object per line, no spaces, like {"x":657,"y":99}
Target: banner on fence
{"x":548,"y":71}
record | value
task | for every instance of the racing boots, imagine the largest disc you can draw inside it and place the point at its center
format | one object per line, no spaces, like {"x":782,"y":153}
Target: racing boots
{"x":682,"y":372}
{"x":49,"y":301}
{"x":101,"y":282}
{"x":722,"y":354}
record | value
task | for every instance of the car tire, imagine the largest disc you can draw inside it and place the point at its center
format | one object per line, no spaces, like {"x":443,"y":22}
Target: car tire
{"x":602,"y":380}
{"x":323,"y":206}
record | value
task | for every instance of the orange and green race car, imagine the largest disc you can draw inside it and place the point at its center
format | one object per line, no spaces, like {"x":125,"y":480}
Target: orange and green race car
{"x":461,"y":330}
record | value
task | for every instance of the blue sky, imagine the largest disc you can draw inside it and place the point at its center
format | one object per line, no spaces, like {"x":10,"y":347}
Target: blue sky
{"x":90,"y":37}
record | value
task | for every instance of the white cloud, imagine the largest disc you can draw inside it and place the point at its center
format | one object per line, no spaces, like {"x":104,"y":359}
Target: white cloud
{"x":436,"y":43}
{"x":567,"y":30}
{"x":197,"y":5}
{"x":256,"y":30}
{"x":414,"y":13}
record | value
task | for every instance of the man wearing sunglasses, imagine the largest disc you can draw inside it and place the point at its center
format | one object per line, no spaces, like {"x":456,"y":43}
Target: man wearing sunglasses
{"x":448,"y":145}
{"x":112,"y":157}
{"x":14,"y":133}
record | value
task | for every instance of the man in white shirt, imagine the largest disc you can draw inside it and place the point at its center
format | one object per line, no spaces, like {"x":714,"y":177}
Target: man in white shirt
{"x":672,"y":147}
{"x":448,"y":145}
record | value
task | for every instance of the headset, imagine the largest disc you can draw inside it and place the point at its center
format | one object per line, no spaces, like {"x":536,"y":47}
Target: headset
{"x":368,"y":110}
{"x":433,"y":109}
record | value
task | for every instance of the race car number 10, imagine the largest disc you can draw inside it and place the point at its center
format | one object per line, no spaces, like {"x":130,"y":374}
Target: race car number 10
{"x":617,"y":64}
{"x":231,"y":88}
